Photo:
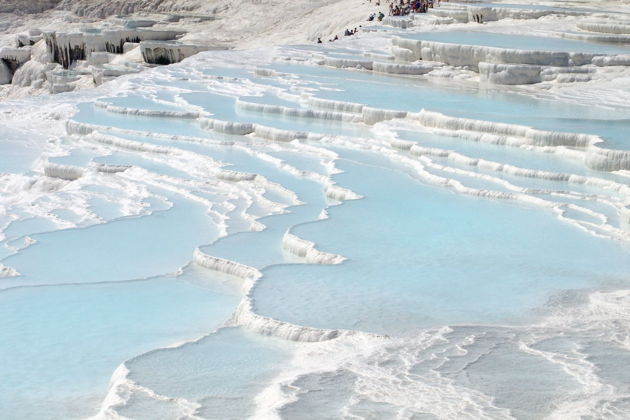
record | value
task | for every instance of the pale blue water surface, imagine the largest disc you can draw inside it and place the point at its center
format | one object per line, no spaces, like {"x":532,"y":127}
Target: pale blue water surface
{"x":458,"y":289}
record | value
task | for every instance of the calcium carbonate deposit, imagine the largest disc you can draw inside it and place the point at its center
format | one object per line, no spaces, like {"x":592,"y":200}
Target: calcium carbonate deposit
{"x":207,"y":214}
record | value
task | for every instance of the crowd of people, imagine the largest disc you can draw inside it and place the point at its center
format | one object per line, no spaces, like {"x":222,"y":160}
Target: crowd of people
{"x":373,"y":16}
{"x":348,"y":32}
{"x":396,"y":8}
{"x":404,"y":8}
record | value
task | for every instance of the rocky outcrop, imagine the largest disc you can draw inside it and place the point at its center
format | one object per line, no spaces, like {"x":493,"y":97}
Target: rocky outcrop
{"x":15,"y":57}
{"x":113,"y":41}
{"x":66,"y":48}
{"x":104,"y":8}
{"x":10,"y":60}
{"x":156,"y":52}
{"x":5,"y":74}
{"x":30,"y":6}
{"x":29,"y":38}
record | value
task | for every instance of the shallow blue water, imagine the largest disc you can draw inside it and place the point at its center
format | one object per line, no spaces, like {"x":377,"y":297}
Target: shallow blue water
{"x":301,"y":161}
{"x":419,"y":256}
{"x":218,"y":372}
{"x":269,"y":99}
{"x":61,"y":344}
{"x":264,"y":248}
{"x":123,"y":158}
{"x":90,"y":114}
{"x":509,"y":155}
{"x":17,"y":153}
{"x":520,"y":42}
{"x":142,"y":102}
{"x":77,"y":157}
{"x":28,"y":226}
{"x":128,"y":248}
{"x":412,"y":95}
{"x":531,"y":7}
{"x":223,"y":108}
{"x":443,"y":260}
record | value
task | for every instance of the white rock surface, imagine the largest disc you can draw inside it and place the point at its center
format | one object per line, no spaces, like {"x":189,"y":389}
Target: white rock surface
{"x":157,"y":52}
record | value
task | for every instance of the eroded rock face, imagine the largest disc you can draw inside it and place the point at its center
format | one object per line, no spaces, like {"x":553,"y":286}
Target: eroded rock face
{"x":104,"y":8}
{"x":5,"y":74}
{"x":156,"y":52}
{"x":30,"y":6}
{"x":99,"y":8}
{"x":11,"y":59}
{"x":66,"y":48}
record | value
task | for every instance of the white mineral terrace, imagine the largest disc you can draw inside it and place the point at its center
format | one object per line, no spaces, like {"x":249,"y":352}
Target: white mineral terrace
{"x":205,"y":213}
